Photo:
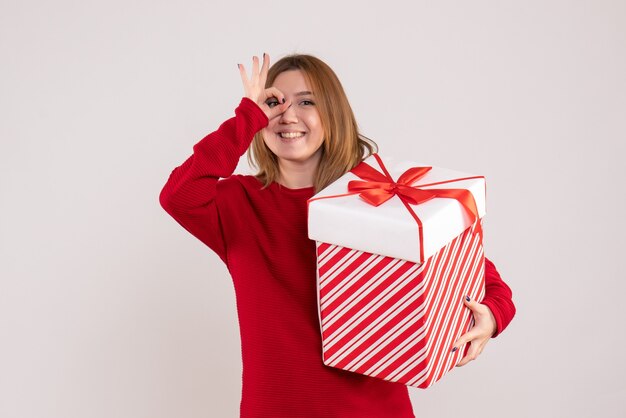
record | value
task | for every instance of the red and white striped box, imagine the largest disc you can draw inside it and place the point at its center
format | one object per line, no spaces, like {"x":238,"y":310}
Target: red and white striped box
{"x":398,"y":248}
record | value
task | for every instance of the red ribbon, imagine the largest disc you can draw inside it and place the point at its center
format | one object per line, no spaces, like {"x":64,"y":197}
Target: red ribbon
{"x":379,"y":187}
{"x":376,"y":188}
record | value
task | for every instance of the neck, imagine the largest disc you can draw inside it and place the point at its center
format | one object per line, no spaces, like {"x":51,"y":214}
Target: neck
{"x":296,"y":175}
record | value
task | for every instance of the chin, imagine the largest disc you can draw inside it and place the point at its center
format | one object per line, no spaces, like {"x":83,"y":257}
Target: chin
{"x":294,"y":158}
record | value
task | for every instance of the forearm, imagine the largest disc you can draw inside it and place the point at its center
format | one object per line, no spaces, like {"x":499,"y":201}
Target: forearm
{"x":498,"y":297}
{"x":192,"y":185}
{"x":190,"y":195}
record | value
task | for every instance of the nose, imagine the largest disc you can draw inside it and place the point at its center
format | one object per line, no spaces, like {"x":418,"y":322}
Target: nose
{"x":289,"y":115}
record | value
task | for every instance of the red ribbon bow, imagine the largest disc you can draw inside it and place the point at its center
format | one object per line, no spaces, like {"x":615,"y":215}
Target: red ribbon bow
{"x":376,"y":188}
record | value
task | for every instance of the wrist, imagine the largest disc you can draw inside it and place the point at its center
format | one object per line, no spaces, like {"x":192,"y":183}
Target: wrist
{"x":494,"y":324}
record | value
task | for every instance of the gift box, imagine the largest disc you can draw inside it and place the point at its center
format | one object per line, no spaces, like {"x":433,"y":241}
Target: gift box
{"x":399,"y":245}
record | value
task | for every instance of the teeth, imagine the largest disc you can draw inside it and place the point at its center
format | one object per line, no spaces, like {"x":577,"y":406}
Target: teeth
{"x":291,"y":134}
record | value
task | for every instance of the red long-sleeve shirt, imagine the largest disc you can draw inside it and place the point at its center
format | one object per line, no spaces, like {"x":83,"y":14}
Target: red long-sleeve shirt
{"x":261,"y":235}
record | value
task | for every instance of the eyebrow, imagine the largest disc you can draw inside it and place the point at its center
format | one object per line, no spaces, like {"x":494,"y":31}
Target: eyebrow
{"x":304,"y":93}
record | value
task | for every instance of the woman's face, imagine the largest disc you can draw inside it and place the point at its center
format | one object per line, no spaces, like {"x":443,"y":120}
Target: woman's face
{"x":297,"y":134}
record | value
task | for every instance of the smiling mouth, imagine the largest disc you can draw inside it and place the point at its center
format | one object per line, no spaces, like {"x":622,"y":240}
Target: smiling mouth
{"x":290,"y":135}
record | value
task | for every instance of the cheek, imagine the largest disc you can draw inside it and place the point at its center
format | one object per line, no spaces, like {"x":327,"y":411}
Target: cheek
{"x":315,"y":124}
{"x":266,"y":133}
{"x":271,"y":125}
{"x":320,"y":132}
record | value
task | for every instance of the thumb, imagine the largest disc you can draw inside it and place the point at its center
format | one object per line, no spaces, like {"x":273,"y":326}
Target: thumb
{"x":278,"y":109}
{"x":272,"y":95}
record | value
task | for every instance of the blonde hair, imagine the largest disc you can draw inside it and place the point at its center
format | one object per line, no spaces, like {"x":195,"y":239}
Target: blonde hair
{"x":343,"y":148}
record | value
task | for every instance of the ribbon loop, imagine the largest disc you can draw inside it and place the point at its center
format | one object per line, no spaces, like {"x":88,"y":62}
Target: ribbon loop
{"x":376,"y":188}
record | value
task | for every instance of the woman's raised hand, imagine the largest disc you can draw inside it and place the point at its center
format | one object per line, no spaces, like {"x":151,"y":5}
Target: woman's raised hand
{"x":271,"y":100}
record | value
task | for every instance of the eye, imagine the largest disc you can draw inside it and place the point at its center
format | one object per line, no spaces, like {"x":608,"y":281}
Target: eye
{"x":307,"y":102}
{"x":271,"y":102}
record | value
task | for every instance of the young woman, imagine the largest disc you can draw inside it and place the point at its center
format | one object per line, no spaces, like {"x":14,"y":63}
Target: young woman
{"x":301,"y":134}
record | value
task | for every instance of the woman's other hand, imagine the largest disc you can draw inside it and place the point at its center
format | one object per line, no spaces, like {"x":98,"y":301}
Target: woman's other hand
{"x":480,"y":334}
{"x":271,"y":100}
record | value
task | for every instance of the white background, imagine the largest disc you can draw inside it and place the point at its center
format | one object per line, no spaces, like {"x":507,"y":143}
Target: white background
{"x":108,"y":308}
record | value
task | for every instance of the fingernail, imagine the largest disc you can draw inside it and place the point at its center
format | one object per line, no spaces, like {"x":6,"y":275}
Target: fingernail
{"x":283,"y":100}
{"x":238,"y":65}
{"x":454,"y":349}
{"x":467,"y":298}
{"x":264,"y":54}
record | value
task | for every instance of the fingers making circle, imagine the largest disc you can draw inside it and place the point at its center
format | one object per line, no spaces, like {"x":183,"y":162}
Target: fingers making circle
{"x":254,"y":87}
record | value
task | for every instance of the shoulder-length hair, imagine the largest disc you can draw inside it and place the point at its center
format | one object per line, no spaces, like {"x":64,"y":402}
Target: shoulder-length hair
{"x":343,"y":146}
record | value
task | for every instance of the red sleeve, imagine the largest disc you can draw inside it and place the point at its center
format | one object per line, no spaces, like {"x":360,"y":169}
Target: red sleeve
{"x":498,"y":297}
{"x":190,"y":194}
